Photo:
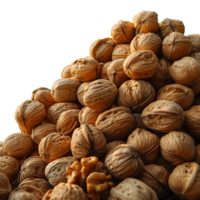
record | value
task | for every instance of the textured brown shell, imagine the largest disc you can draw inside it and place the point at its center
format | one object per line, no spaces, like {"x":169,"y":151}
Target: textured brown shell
{"x":66,"y":72}
{"x":2,"y":152}
{"x":80,"y":92}
{"x":196,"y":56}
{"x":139,"y":122}
{"x":104,"y":70}
{"x":5,"y":187}
{"x":196,"y":89}
{"x":121,"y":51}
{"x":195,"y":40}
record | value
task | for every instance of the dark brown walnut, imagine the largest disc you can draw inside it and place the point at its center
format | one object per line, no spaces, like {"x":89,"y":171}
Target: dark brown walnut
{"x":176,"y":46}
{"x":136,"y":95}
{"x":80,"y":92}
{"x":64,"y":90}
{"x":88,"y":141}
{"x":192,"y":120}
{"x":195,"y":40}
{"x":156,"y":177}
{"x":104,"y":70}
{"x":177,"y":147}
{"x":186,"y":71}
{"x":146,"y":21}
{"x":184,"y":181}
{"x":123,"y":32}
{"x":147,"y":41}
{"x":56,"y":110}
{"x":196,"y":56}
{"x":66,"y":72}
{"x":54,"y":146}
{"x":34,"y":153}
{"x":116,"y":72}
{"x":141,"y":64}
{"x":55,"y":171}
{"x":196,"y":101}
{"x":5,"y":187}
{"x":130,"y":189}
{"x":121,"y":51}
{"x":89,"y":116}
{"x":102,"y":49}
{"x":18,"y":145}
{"x":43,"y":95}
{"x":85,"y":69}
{"x":180,"y":94}
{"x":197,"y":154}
{"x":29,"y":114}
{"x":100,"y":95}
{"x":68,"y":122}
{"x":163,"y":116}
{"x":33,"y":167}
{"x":196,"y":89}
{"x":42,"y":131}
{"x":116,"y":123}
{"x":146,"y":143}
{"x":10,"y":167}
{"x":139,"y":122}
{"x":167,"y":26}
{"x":123,"y":162}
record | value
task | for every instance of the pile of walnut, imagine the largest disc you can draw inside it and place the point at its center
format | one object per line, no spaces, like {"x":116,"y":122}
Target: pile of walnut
{"x":121,"y":124}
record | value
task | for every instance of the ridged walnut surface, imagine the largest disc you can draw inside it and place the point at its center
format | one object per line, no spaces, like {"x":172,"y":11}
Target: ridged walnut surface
{"x":121,"y":51}
{"x":5,"y":187}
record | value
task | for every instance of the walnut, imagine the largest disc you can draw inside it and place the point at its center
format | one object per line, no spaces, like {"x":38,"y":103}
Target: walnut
{"x":195,"y":40}
{"x":2,"y":152}
{"x":104,"y":70}
{"x":123,"y":161}
{"x":146,"y":143}
{"x":196,"y":56}
{"x":163,"y":116}
{"x":66,"y":72}
{"x":116,"y":123}
{"x":33,"y":167}
{"x":42,"y":131}
{"x":5,"y":187}
{"x":80,"y":92}
{"x":177,"y":147}
{"x":29,"y":114}
{"x":156,"y":177}
{"x":121,"y":51}
{"x":55,"y":170}
{"x":196,"y":88}
{"x":54,"y":146}
{"x":18,"y":145}
{"x":146,"y":21}
{"x":180,"y":94}
{"x":176,"y":46}
{"x":134,"y":67}
{"x":132,"y":188}
{"x":47,"y":195}
{"x":192,"y":122}
{"x":139,"y":122}
{"x":99,"y":95}
{"x":34,"y":153}
{"x":102,"y":49}
{"x":21,"y":162}
{"x":67,"y":122}
{"x":123,"y":32}
{"x":184,"y":181}
{"x":88,"y":141}
{"x":64,"y":90}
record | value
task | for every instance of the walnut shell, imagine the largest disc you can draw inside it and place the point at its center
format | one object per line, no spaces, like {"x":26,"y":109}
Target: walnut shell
{"x":88,"y":141}
{"x":180,"y":94}
{"x":196,"y":88}
{"x":197,"y":154}
{"x":146,"y":143}
{"x":163,"y":116}
{"x":195,"y":40}
{"x":116,"y":123}
{"x":196,"y":56}
{"x":104,"y":70}
{"x":80,"y":92}
{"x":139,"y":122}
{"x":55,"y":171}
{"x":121,"y":51}
{"x":5,"y":187}
{"x":192,"y":122}
{"x":18,"y":145}
{"x":2,"y":152}
{"x":99,"y":95}
{"x":146,"y":21}
{"x":130,"y":189}
{"x":136,"y":94}
{"x":186,"y":71}
{"x":123,"y":162}
{"x":29,"y":114}
{"x":177,"y":147}
{"x":141,"y":64}
{"x":66,"y":72}
{"x":54,"y":146}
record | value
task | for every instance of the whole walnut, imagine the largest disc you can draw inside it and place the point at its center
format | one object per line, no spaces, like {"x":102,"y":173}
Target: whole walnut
{"x":192,"y":120}
{"x":139,"y":122}
{"x":146,"y":21}
{"x":170,"y":147}
{"x":5,"y":187}
{"x":197,"y":154}
{"x":186,"y":71}
{"x":136,"y":94}
{"x":196,"y":56}
{"x":184,"y":181}
{"x":195,"y":40}
{"x":66,"y":72}
{"x":123,"y":162}
{"x":163,"y":116}
{"x":123,"y":32}
{"x":176,"y":46}
{"x":134,"y":65}
{"x":116,"y":123}
{"x":121,"y":51}
{"x":180,"y":94}
{"x":80,"y":92}
{"x":100,"y":95}
{"x":88,"y":141}
{"x":104,"y":70}
{"x":146,"y":143}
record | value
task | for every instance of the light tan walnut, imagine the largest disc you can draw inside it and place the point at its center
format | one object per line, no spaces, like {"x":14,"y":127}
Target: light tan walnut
{"x":121,"y":51}
{"x":66,"y":72}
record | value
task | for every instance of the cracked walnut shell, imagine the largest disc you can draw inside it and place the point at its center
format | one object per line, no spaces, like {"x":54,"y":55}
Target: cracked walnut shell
{"x":121,"y":51}
{"x":5,"y":187}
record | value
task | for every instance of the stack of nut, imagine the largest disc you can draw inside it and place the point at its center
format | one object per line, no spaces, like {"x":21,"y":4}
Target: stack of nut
{"x":121,"y":124}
